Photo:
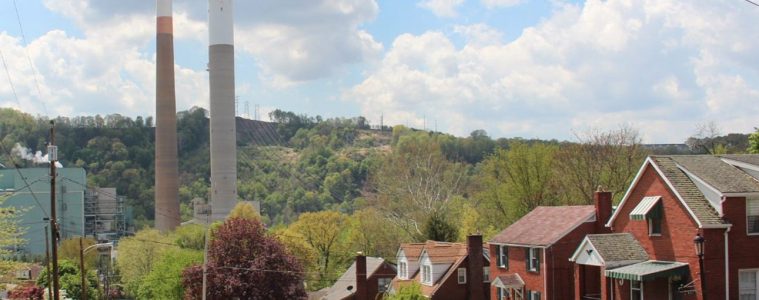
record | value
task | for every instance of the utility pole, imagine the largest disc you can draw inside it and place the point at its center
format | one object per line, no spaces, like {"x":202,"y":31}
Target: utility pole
{"x":47,"y":264}
{"x":81,"y":269}
{"x":52,"y":153}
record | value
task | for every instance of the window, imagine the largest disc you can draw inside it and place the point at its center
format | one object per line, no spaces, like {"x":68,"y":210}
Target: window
{"x":636,"y":290}
{"x":427,"y":274}
{"x":752,"y":216}
{"x":403,"y":270}
{"x":502,"y":256}
{"x":383,"y":284}
{"x":534,"y":295}
{"x":462,"y":276}
{"x":533,"y":259}
{"x":654,"y":226}
{"x":747,"y":284}
{"x":485,"y":274}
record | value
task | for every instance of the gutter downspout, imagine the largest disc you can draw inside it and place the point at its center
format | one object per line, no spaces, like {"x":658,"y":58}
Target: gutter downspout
{"x":545,"y":273}
{"x":727,"y":265}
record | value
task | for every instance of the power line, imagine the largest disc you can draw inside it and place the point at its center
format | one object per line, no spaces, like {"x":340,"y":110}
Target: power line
{"x":28,"y":57}
{"x":10,"y":80}
{"x":752,"y":2}
{"x":15,"y":166}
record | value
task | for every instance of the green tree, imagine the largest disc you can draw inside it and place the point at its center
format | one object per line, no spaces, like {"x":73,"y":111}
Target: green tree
{"x":69,"y":249}
{"x":138,"y":256}
{"x":10,"y":230}
{"x":438,"y":228}
{"x":411,"y":291}
{"x":324,"y":231}
{"x":165,"y":279}
{"x":71,"y":280}
{"x":753,"y":141}
{"x":244,"y":210}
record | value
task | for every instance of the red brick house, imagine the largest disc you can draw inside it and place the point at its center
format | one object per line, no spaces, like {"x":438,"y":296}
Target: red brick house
{"x":445,"y":271}
{"x":377,"y":274}
{"x":651,"y":254}
{"x":531,"y":257}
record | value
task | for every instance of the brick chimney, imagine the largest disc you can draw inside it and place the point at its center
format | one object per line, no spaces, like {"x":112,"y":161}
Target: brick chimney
{"x":602,"y":200}
{"x":474,"y":273}
{"x":361,"y":288}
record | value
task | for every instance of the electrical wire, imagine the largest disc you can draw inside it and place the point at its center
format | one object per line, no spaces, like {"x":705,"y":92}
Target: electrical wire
{"x":15,"y":166}
{"x":10,"y":80}
{"x":752,"y":2}
{"x":29,"y":58}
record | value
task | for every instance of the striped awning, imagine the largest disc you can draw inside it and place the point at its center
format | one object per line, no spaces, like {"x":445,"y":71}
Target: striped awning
{"x":648,"y":270}
{"x":645,"y":207}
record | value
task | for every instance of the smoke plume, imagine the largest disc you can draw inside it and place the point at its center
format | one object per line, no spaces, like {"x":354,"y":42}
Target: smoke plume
{"x":36,"y":158}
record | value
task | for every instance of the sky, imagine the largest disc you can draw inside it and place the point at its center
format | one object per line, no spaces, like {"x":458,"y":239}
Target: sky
{"x":515,"y":68}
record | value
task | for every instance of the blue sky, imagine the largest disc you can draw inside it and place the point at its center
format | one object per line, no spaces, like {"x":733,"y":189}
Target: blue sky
{"x":529,"y":68}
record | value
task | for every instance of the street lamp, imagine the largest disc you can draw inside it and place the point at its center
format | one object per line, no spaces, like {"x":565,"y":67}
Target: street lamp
{"x":82,"y":251}
{"x":698,"y":241}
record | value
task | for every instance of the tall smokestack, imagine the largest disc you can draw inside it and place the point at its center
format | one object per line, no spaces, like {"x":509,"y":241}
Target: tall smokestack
{"x":221,"y":67}
{"x":166,"y":186}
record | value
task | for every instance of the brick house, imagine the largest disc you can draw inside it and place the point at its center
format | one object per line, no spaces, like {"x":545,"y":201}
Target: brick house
{"x":376,"y":272}
{"x":531,"y":255}
{"x":651,"y":253}
{"x":445,"y":271}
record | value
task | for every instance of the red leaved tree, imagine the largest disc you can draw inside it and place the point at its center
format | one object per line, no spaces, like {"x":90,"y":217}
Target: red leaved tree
{"x":245,"y":263}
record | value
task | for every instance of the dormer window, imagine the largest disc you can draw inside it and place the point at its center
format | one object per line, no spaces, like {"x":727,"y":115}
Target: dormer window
{"x":427,"y":274}
{"x":403,"y":270}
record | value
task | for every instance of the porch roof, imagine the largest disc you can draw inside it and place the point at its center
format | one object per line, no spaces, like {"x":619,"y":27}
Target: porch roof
{"x":648,"y":270}
{"x":508,"y":281}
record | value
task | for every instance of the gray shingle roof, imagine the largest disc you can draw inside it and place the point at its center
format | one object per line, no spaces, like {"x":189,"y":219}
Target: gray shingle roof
{"x":691,"y":195}
{"x":618,"y":249}
{"x":340,"y":289}
{"x":746,"y":158}
{"x":718,"y":174}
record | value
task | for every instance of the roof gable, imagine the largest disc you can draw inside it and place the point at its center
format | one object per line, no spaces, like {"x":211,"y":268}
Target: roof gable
{"x":609,"y":250}
{"x":678,"y":182}
{"x":545,"y":225}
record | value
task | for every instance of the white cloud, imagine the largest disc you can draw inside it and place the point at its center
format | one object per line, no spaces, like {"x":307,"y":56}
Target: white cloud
{"x":656,"y":64}
{"x":501,"y":3}
{"x":442,"y":8}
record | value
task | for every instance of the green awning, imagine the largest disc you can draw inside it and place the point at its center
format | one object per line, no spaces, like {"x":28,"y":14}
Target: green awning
{"x":646,"y":207}
{"x":648,"y":270}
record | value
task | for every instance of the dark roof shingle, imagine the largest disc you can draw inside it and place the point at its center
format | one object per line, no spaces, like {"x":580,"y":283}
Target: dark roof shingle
{"x":618,"y":248}
{"x":720,"y":175}
{"x":691,"y":195}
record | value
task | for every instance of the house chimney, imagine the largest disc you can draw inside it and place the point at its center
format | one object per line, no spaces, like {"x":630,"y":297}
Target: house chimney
{"x":602,"y":200}
{"x":361,"y":288}
{"x":475,"y":288}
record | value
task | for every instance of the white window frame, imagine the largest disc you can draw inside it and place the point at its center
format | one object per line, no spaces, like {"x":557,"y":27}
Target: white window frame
{"x":462,"y":276}
{"x":753,"y":199}
{"x":534,"y":295}
{"x":485,"y":274}
{"x":501,"y":293}
{"x":427,"y":274}
{"x":633,"y":289}
{"x":756,"y":283}
{"x":503,"y":255}
{"x":534,"y":259}
{"x":403,"y":270}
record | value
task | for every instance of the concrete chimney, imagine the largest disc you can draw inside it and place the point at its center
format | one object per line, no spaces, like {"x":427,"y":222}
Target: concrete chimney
{"x":221,"y":67}
{"x":166,"y":170}
{"x":361,"y":285}
{"x":474,"y":270}
{"x":602,"y":200}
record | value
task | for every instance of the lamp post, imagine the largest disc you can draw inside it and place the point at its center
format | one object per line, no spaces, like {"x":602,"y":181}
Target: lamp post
{"x":83,"y":251}
{"x":698,"y":241}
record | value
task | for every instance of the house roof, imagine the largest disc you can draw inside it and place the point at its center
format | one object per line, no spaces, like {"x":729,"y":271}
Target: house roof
{"x":412,"y":250}
{"x":719,"y":174}
{"x":340,"y":290}
{"x":545,"y":225}
{"x":508,"y":281}
{"x":752,"y":159}
{"x":691,"y":196}
{"x":443,"y":252}
{"x":616,"y":248}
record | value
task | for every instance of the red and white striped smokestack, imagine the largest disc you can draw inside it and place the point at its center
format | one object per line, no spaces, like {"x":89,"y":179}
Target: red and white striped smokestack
{"x":221,"y":67}
{"x":166,"y":173}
